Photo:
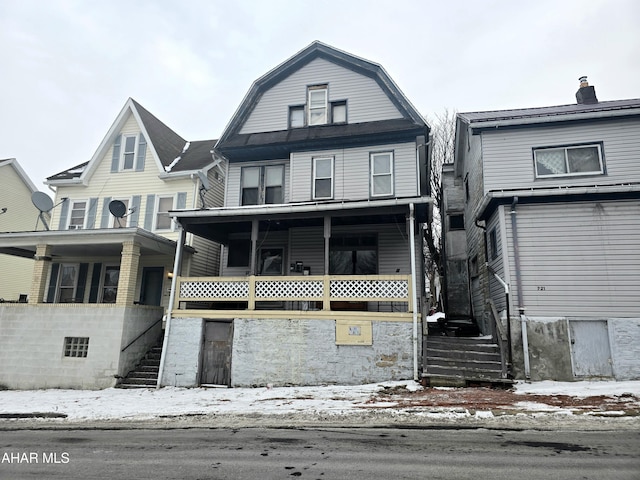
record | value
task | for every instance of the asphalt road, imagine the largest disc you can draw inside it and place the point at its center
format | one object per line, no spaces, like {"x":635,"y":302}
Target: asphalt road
{"x":318,"y":453}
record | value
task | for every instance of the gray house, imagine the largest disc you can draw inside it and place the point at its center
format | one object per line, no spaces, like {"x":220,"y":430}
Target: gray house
{"x":542,"y":221}
{"x":321,"y":265}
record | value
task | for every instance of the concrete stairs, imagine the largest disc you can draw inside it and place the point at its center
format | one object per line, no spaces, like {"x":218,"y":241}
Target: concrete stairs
{"x":145,"y":374}
{"x":462,"y":361}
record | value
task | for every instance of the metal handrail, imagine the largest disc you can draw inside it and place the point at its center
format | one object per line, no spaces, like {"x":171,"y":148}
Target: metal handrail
{"x":139,"y":336}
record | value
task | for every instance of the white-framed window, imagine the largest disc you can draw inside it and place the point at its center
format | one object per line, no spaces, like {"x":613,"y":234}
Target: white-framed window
{"x":109,"y":289}
{"x":76,"y":347}
{"x":568,"y":161}
{"x":271,"y":261}
{"x":296,"y":116}
{"x":128,"y":152}
{"x":68,"y":282}
{"x":262,"y":185}
{"x":317,"y":105}
{"x":339,"y":112}
{"x":121,"y":222}
{"x":77,"y":214}
{"x":162,"y":219}
{"x":381,"y":174}
{"x":323,"y":178}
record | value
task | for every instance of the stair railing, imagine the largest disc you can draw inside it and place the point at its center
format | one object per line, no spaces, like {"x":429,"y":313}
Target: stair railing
{"x":502,"y":340}
{"x":141,"y":335}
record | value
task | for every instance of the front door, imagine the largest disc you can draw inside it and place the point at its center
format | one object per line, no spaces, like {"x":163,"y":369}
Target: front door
{"x":151,"y":289}
{"x":590,"y":350}
{"x":216,"y":362}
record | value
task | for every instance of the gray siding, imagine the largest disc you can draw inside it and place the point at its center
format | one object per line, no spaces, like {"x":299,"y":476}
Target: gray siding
{"x":579,"y":259}
{"x":508,"y":157}
{"x":366,"y":101}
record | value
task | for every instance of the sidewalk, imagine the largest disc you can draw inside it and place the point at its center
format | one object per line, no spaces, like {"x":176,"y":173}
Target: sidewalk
{"x":536,"y":405}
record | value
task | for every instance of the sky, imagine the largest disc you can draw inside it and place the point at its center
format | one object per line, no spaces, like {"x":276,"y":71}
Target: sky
{"x":67,"y":67}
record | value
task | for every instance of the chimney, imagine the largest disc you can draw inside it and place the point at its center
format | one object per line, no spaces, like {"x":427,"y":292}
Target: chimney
{"x":586,"y":94}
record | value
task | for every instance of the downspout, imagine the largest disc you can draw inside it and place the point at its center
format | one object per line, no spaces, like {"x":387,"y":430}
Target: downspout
{"x":172,"y":296}
{"x":413,"y":293}
{"x":523,"y":318}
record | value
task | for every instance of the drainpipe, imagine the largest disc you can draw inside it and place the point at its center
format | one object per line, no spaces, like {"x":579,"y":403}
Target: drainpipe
{"x":172,"y":296}
{"x":523,"y":319}
{"x":413,"y":293}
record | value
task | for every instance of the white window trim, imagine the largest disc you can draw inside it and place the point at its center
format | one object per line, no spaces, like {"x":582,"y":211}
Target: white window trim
{"x":59,"y":280}
{"x":156,"y":212}
{"x":126,"y":219}
{"x":123,"y":143}
{"x":86,"y":211}
{"x":102,"y":275}
{"x":262,"y":187}
{"x":331,"y":177}
{"x":318,"y":88}
{"x":390,"y":174}
{"x":566,"y":160}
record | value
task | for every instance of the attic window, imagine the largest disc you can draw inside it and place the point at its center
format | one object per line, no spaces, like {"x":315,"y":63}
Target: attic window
{"x":129,"y":151}
{"x":317,"y":101}
{"x":339,"y":112}
{"x":296,"y":116}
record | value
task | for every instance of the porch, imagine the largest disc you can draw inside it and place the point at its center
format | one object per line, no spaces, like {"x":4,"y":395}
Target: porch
{"x":335,"y":297}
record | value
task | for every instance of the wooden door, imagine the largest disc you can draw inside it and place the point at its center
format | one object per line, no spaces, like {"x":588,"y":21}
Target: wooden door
{"x":590,"y":348}
{"x":216,"y":362}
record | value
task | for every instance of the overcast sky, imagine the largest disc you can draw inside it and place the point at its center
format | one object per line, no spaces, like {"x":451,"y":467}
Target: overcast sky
{"x":67,"y":67}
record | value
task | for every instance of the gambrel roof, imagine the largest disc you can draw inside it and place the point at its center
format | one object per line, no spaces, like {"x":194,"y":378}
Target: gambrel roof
{"x":233,"y":142}
{"x":172,"y":153}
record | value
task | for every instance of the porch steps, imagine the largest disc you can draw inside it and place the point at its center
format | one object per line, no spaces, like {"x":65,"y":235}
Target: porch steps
{"x":145,"y":375}
{"x":462,"y":361}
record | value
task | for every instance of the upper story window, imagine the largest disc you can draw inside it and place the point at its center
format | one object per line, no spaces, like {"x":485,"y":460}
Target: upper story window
{"x":162,"y":219}
{"x":262,"y":185}
{"x":339,"y":112}
{"x":381,"y":174}
{"x":317,"y":102}
{"x":129,"y":151}
{"x":323,"y":178}
{"x":78,"y":215}
{"x":296,"y":116}
{"x":568,"y":161}
{"x":129,"y":143}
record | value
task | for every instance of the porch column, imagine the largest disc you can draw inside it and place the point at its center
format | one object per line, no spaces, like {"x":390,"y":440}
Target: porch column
{"x":128,"y":273}
{"x":327,"y":238}
{"x":254,"y":246}
{"x":413,"y":290}
{"x":40,"y":270}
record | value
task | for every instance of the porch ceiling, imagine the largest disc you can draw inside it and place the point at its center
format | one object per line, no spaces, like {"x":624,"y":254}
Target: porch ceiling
{"x":84,"y":243}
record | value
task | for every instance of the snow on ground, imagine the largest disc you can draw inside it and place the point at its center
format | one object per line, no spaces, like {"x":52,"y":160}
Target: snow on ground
{"x":340,"y":401}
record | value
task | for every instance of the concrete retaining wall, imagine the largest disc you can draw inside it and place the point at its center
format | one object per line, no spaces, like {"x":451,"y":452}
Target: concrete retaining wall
{"x":183,"y":352}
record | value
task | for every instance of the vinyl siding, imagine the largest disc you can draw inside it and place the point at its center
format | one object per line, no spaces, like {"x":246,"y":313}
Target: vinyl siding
{"x":496,"y":289}
{"x":351,"y":171}
{"x":235,"y":174}
{"x":20,"y":216}
{"x":580,"y":259}
{"x":508,"y":156}
{"x":366,"y":101}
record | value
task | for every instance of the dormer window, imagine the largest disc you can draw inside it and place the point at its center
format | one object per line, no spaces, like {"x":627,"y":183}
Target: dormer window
{"x":317,"y":101}
{"x":129,"y":143}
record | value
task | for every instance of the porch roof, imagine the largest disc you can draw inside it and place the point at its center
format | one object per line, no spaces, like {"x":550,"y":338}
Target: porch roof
{"x":84,"y":243}
{"x":217,"y":223}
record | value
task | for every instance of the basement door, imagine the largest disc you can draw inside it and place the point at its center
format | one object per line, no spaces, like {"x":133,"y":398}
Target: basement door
{"x":216,"y":361}
{"x":590,"y":349}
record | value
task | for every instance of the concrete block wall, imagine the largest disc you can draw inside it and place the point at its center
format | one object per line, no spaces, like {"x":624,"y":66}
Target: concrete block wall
{"x":182,"y":352}
{"x":32,"y":345}
{"x":624,"y":334}
{"x":303,"y":352}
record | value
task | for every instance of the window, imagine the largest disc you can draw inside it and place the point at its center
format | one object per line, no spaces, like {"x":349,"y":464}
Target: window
{"x":456,"y":221}
{"x":271,"y":261}
{"x":296,"y":116}
{"x":68,"y":282}
{"x":110,"y":284}
{"x":568,"y":161}
{"x":493,"y":244}
{"x":262,"y":185}
{"x":317,"y":101}
{"x":238,"y":253}
{"x":124,"y":221}
{"x":76,"y":347}
{"x":77,"y":216}
{"x":163,"y":220}
{"x":381,"y":174}
{"x":128,"y":152}
{"x":339,"y":112}
{"x":323,"y":178}
{"x":353,"y":255}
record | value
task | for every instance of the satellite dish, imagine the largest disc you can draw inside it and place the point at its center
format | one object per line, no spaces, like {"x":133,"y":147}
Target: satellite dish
{"x":204,"y":181}
{"x":117,"y":208}
{"x":42,"y":201}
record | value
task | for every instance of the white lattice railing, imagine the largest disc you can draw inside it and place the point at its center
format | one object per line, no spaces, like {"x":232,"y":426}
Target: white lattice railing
{"x":319,"y":288}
